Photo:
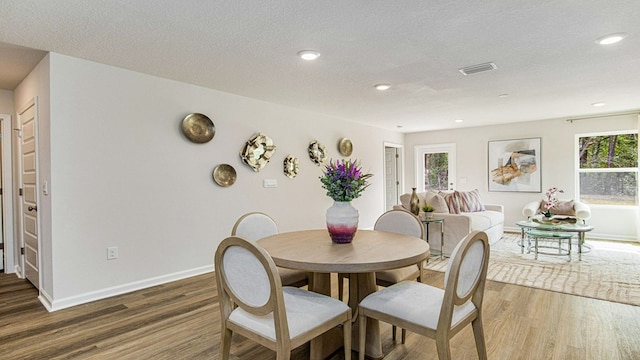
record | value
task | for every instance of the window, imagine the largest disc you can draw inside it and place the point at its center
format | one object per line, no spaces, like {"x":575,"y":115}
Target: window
{"x":436,"y":171}
{"x":608,"y":168}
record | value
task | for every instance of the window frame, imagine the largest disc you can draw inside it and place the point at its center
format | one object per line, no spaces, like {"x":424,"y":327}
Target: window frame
{"x":579,"y":171}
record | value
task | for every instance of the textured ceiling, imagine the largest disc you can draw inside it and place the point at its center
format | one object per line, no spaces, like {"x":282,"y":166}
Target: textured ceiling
{"x":547,"y":58}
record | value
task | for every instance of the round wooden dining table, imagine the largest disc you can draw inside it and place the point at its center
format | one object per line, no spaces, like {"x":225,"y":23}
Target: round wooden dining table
{"x":370,"y":251}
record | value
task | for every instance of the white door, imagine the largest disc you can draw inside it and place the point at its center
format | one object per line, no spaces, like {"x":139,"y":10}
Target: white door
{"x":392,"y":174}
{"x":27,"y":122}
{"x":435,"y":167}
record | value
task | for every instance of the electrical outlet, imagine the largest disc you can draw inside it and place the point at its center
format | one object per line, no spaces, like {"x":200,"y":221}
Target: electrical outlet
{"x":112,"y":253}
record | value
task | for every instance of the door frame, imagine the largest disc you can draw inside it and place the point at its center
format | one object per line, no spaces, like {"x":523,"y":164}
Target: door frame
{"x":400,"y":169}
{"x":7,"y":194}
{"x":420,"y":150}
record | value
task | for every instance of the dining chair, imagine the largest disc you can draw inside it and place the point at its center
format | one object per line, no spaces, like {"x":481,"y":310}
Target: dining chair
{"x":257,"y":225}
{"x":434,"y":312}
{"x":399,"y":222}
{"x":254,"y":304}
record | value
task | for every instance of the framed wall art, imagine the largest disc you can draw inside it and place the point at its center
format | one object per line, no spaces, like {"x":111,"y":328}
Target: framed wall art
{"x":514,"y":165}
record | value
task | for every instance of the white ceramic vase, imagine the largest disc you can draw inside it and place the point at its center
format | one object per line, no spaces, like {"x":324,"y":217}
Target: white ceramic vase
{"x":342,"y":222}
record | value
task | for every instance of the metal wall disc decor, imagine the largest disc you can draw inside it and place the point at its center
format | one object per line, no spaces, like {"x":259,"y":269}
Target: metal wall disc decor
{"x":198,"y":128}
{"x":224,"y":175}
{"x":317,"y":153}
{"x":345,"y":147}
{"x":257,"y":152}
{"x":291,"y":166}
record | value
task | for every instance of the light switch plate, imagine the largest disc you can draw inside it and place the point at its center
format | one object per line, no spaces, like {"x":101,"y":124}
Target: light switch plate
{"x":270,"y":183}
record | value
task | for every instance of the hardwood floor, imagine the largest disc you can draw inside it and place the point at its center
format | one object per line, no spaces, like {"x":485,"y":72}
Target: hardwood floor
{"x":179,"y":320}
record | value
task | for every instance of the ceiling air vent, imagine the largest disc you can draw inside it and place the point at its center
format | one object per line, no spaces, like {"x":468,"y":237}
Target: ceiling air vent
{"x":474,"y":69}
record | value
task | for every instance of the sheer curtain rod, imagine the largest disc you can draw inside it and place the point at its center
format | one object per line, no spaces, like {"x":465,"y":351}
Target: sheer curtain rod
{"x":571,"y":120}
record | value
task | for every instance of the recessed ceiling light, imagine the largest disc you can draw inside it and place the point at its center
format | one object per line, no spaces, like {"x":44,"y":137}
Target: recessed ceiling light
{"x":458,"y":120}
{"x":308,"y":54}
{"x":611,"y":38}
{"x":503,"y":95}
{"x":399,"y":126}
{"x":598,"y":104}
{"x":382,"y":87}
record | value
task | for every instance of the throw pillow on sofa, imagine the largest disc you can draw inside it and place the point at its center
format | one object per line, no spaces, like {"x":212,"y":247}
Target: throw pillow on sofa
{"x":437,"y":201}
{"x":463,"y":201}
{"x":561,"y":208}
{"x":469,"y":201}
{"x":452,"y":201}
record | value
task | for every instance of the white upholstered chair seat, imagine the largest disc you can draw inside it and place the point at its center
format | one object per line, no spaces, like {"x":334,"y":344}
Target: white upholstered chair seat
{"x":397,"y":275}
{"x":424,"y":313}
{"x":305,"y":310}
{"x":291,"y":277}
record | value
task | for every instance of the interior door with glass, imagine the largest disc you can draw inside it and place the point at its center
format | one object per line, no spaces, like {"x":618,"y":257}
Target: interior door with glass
{"x":435,"y":167}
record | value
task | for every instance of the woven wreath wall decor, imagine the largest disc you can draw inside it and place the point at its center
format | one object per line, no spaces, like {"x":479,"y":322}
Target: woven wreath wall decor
{"x":257,"y":152}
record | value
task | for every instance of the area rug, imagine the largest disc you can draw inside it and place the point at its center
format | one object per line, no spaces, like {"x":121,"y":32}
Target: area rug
{"x":609,"y":271}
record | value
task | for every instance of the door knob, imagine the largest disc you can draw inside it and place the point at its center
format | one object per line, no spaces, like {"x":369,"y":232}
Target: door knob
{"x":32,"y":208}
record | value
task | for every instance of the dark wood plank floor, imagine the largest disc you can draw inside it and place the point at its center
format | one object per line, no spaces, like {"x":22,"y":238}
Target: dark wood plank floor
{"x":180,"y":320}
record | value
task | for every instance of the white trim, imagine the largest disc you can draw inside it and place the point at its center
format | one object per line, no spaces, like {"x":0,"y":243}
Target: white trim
{"x":59,"y":304}
{"x":7,"y":195}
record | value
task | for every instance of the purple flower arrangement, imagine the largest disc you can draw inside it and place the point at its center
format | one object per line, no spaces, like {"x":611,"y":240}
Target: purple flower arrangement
{"x":344,"y":180}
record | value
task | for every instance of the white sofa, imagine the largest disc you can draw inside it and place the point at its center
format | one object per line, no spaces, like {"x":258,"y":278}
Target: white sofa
{"x":457,"y":226}
{"x":573,"y":208}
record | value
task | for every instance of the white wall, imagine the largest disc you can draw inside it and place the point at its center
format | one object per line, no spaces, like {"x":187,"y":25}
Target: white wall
{"x":558,"y":169}
{"x":122,"y":174}
{"x":6,"y":102}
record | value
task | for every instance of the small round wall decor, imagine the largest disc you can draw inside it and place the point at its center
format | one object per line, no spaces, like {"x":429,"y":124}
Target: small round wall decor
{"x":317,"y":153}
{"x":198,"y":128}
{"x":345,"y":147}
{"x":291,"y":166}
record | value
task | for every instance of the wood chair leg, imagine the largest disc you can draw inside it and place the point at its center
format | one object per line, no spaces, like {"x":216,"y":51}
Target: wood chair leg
{"x":442,"y":344}
{"x":362,"y":335}
{"x":404,"y":335}
{"x":393,"y":332}
{"x":478,"y":334}
{"x":346,"y":329}
{"x":341,"y":278}
{"x":225,"y":343}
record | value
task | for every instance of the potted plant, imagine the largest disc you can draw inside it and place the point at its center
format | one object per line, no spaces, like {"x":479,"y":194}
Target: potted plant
{"x":428,"y":211}
{"x":344,"y":181}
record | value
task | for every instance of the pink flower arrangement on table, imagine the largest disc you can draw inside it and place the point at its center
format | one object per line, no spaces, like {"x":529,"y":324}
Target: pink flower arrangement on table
{"x":551,"y":199}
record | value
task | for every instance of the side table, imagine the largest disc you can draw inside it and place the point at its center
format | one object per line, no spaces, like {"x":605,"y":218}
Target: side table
{"x":440,"y":221}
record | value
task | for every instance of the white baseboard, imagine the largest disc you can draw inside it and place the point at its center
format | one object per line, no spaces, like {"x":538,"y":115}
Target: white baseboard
{"x":59,"y":304}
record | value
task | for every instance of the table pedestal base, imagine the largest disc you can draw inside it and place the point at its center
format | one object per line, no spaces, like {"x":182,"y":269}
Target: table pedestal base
{"x":360,"y":285}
